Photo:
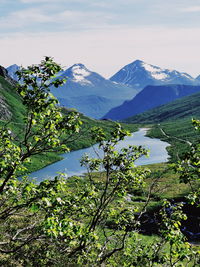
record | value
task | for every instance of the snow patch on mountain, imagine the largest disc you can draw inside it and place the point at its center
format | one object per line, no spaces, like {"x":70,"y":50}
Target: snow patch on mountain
{"x":187,"y":76}
{"x":79,"y":73}
{"x":156,"y":72}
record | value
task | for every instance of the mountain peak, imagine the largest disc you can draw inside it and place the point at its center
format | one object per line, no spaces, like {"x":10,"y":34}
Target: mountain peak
{"x":12,"y":71}
{"x":13,"y":66}
{"x":78,"y":73}
{"x":139,"y":74}
{"x":137,"y":62}
{"x":80,"y":65}
{"x":143,"y":65}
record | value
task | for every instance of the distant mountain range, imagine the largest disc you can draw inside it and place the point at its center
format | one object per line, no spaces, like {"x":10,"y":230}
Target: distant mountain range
{"x":186,"y":107}
{"x":88,"y":91}
{"x":150,"y":97}
{"x":95,"y":96}
{"x":139,"y":74}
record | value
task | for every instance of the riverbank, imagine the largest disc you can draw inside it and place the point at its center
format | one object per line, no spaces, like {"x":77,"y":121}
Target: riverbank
{"x":179,"y":134}
{"x":70,"y":164}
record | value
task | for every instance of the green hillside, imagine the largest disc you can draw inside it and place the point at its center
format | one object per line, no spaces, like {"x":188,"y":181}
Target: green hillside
{"x":179,"y":134}
{"x":15,"y":122}
{"x":13,"y":101}
{"x":186,"y":107}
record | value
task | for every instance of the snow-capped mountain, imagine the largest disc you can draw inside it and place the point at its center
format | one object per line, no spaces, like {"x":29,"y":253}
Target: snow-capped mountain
{"x":92,"y":94}
{"x":79,"y":73}
{"x":139,"y":74}
{"x":89,"y":92}
{"x":12,"y":71}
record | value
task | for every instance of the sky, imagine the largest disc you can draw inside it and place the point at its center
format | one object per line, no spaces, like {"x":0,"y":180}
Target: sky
{"x":104,"y":35}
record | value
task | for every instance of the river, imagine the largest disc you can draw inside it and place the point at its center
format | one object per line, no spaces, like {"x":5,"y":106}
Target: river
{"x":70,"y":163}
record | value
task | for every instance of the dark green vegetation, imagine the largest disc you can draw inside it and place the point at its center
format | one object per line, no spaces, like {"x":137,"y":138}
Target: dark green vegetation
{"x":85,"y":220}
{"x":186,"y":107}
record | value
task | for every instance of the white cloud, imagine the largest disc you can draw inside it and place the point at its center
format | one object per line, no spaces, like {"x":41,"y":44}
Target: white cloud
{"x":66,"y":19}
{"x":105,"y":51}
{"x":23,"y":18}
{"x":32,"y":14}
{"x":191,"y":9}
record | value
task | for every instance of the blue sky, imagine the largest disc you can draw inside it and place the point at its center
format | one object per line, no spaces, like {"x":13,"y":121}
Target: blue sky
{"x":104,"y":35}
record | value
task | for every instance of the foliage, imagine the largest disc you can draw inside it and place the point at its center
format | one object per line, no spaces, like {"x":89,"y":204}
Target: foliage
{"x":44,"y":126}
{"x":189,"y":168}
{"x":169,"y":249}
{"x":81,"y":220}
{"x":16,"y":123}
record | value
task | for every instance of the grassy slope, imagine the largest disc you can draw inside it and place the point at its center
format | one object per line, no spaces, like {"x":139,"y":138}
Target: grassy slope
{"x":13,"y":100}
{"x":177,"y":133}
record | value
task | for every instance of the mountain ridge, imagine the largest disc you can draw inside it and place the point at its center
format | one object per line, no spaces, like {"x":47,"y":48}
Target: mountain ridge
{"x":95,"y":96}
{"x":150,"y":97}
{"x":83,"y":83}
{"x":186,"y":107}
{"x":139,"y":74}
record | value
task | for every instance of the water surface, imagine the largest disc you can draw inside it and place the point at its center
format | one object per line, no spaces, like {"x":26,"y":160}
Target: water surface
{"x":71,"y":166}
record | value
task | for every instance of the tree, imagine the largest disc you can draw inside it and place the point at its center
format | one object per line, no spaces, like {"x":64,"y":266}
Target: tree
{"x":81,"y":220}
{"x":189,"y":168}
{"x":45,"y":129}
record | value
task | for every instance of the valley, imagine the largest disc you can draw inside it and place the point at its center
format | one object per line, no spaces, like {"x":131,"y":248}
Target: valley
{"x":128,"y":198}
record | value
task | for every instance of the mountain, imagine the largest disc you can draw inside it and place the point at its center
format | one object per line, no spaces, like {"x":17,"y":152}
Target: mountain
{"x":150,"y":97}
{"x":186,"y":107}
{"x":95,"y":106}
{"x":89,"y":92}
{"x":198,"y":78}
{"x":12,"y":71}
{"x":139,"y":74}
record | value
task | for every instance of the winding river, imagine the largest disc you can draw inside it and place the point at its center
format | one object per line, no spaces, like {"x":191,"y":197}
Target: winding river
{"x":71,"y":166}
